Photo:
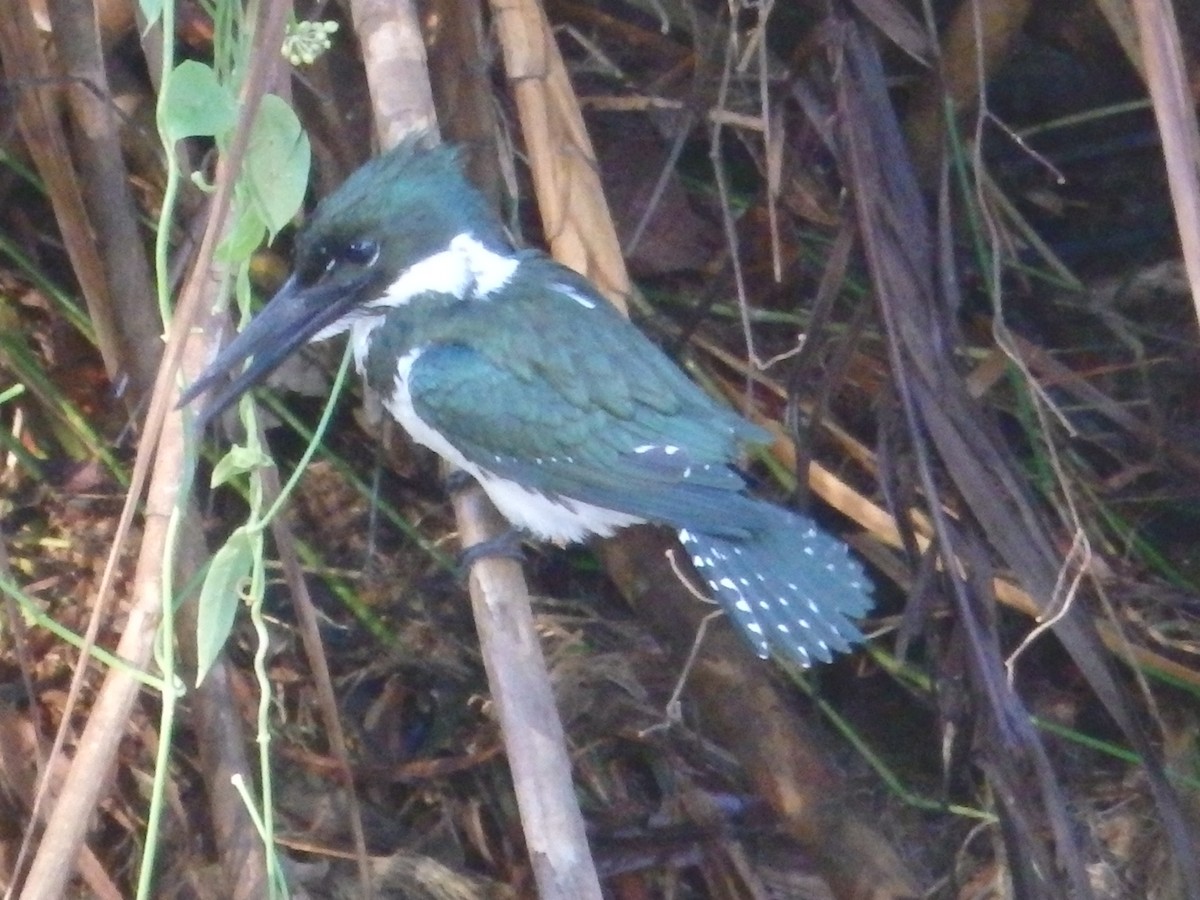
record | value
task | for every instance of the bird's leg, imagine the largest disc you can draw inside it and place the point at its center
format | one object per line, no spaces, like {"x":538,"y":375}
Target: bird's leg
{"x":506,"y":545}
{"x":457,"y":482}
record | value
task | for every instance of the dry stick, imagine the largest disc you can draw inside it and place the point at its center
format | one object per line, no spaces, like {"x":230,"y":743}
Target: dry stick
{"x":109,"y":715}
{"x":129,"y":279}
{"x":43,"y":135}
{"x":394,"y":55}
{"x":581,"y":234}
{"x":575,"y":215}
{"x":216,"y":721}
{"x":533,"y":735}
{"x":1166,"y":76}
{"x":310,"y":636}
{"x":68,"y":822}
{"x":38,"y":121}
{"x":393,"y":52}
{"x":110,"y":206}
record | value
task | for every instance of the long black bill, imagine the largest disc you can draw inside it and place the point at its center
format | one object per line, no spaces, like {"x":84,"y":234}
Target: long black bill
{"x":287,"y":322}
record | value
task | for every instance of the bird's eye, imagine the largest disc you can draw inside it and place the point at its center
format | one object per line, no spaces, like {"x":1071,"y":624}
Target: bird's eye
{"x":359,"y":253}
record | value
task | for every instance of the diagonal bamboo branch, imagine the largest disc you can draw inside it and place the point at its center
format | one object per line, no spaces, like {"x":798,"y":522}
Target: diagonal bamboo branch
{"x":161,"y":465}
{"x":1166,"y":76}
{"x":397,"y":72}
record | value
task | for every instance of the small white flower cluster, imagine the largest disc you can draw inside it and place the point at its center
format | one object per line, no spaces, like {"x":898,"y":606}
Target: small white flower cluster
{"x":306,"y":41}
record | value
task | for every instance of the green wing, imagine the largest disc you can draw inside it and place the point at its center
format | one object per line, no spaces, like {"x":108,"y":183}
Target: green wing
{"x":548,"y":386}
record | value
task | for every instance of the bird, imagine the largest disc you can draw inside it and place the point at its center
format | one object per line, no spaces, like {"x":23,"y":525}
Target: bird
{"x":516,"y":370}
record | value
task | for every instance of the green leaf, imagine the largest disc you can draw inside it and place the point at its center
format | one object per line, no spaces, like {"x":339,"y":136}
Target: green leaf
{"x":277,"y":163}
{"x":239,"y":459}
{"x":244,"y":237}
{"x":221,"y":595}
{"x":196,"y":104}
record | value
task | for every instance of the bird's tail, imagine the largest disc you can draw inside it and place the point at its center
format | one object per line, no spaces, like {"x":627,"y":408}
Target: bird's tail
{"x":790,"y":586}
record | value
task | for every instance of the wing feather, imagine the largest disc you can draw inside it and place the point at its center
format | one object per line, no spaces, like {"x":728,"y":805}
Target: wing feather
{"x":649,"y":464}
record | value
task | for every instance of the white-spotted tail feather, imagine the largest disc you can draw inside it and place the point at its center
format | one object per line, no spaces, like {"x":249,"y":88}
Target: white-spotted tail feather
{"x":792,"y":588}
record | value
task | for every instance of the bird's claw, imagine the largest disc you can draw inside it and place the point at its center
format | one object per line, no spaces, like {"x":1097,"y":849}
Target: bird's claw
{"x":506,"y":545}
{"x":458,"y":482}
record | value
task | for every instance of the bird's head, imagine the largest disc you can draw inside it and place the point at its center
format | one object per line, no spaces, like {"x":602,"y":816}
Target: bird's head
{"x":403,"y":224}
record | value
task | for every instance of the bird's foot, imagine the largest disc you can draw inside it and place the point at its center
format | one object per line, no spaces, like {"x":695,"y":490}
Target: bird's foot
{"x":506,"y":545}
{"x":458,"y":482}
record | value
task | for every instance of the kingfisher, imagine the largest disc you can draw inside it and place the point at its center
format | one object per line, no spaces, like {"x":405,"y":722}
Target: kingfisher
{"x":517,"y":371}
